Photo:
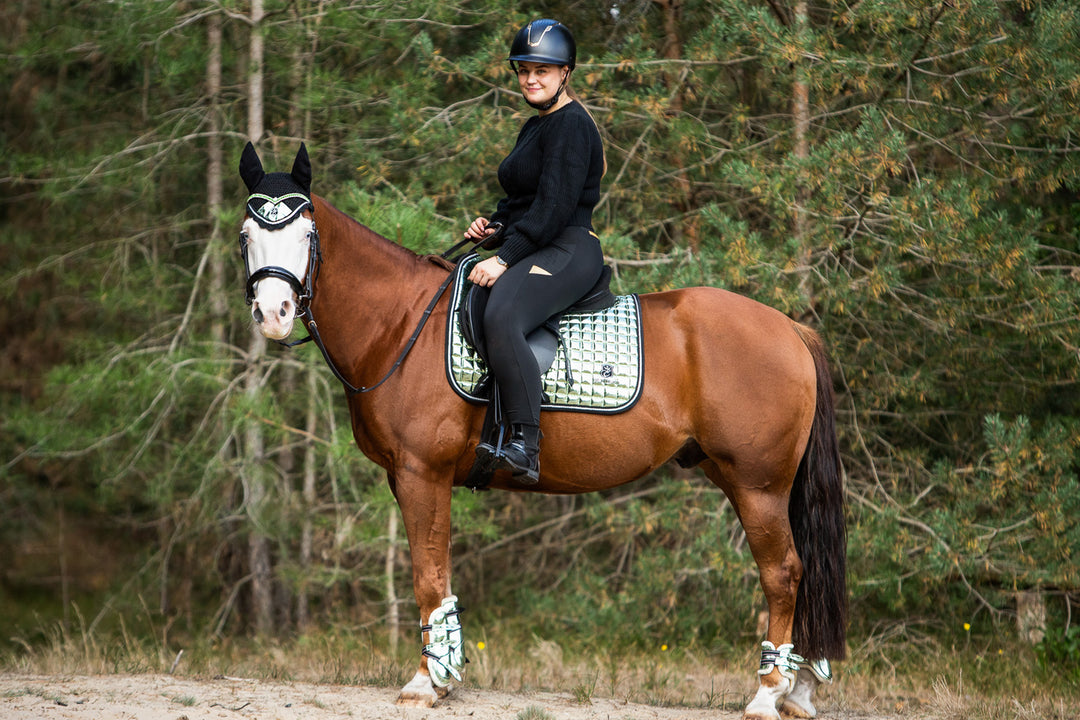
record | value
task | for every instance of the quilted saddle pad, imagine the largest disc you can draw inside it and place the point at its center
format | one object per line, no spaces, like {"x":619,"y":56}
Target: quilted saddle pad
{"x":597,"y":367}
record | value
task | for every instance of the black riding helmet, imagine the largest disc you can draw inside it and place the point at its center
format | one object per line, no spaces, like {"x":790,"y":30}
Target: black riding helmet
{"x":548,"y":42}
{"x":543,"y":41}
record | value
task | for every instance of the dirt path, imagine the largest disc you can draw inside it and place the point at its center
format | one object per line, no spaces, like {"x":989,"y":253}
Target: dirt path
{"x":164,"y":697}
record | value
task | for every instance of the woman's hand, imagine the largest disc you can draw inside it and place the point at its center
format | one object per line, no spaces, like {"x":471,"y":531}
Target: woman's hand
{"x":486,"y":272}
{"x":479,"y":230}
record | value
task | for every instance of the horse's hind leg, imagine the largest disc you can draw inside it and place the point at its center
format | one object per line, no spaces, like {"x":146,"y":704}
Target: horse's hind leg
{"x":764,"y":517}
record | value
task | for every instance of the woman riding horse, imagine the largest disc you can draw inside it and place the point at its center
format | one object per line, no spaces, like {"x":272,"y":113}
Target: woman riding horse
{"x":549,"y":256}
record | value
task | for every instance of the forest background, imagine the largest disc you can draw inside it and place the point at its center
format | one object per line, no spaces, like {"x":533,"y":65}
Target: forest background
{"x":900,"y":174}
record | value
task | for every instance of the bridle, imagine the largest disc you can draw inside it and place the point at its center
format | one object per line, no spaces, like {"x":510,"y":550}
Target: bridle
{"x":305,"y":291}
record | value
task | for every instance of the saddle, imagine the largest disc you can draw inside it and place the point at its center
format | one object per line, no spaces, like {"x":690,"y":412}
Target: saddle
{"x":589,"y":355}
{"x":544,"y":340}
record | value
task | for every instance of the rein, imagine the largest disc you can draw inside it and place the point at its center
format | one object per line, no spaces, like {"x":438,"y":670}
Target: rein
{"x":306,"y":290}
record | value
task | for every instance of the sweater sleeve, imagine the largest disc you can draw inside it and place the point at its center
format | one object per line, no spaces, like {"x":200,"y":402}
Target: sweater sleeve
{"x":566,"y":151}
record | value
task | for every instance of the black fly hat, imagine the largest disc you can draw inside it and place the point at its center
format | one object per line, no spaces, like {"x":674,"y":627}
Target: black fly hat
{"x":276,"y":198}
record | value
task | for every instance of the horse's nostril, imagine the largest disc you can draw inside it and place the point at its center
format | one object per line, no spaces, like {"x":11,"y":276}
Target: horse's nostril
{"x":283,"y":311}
{"x":258,"y":315}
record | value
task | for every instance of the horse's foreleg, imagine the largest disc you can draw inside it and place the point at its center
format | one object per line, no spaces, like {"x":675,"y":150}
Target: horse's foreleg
{"x":768,"y":533}
{"x":425,"y":512}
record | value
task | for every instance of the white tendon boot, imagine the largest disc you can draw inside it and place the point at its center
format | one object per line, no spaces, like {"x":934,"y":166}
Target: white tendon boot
{"x":765,"y":701}
{"x":443,"y":650}
{"x":795,"y":691}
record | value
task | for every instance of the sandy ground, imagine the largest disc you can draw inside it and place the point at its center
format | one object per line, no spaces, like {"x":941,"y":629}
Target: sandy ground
{"x":164,"y":697}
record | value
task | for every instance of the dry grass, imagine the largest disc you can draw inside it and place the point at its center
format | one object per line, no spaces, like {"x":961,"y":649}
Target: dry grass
{"x":919,"y":681}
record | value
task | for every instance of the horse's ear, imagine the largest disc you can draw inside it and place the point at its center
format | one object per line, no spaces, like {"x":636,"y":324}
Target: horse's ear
{"x":301,"y":169}
{"x":251,"y":169}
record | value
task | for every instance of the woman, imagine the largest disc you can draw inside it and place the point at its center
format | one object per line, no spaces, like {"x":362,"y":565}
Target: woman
{"x":548,"y":255}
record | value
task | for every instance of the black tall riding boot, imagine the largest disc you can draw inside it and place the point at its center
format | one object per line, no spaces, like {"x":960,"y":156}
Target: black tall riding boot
{"x":521,"y":456}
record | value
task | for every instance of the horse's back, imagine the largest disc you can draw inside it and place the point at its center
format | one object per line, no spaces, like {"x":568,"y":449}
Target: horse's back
{"x":722,"y":325}
{"x":715,"y":353}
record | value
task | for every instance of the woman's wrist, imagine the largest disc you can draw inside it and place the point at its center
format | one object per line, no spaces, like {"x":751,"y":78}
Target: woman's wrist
{"x":501,"y":261}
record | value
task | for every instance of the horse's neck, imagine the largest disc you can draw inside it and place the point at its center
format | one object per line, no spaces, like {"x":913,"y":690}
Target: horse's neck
{"x":366,"y":256}
{"x":367,"y":290}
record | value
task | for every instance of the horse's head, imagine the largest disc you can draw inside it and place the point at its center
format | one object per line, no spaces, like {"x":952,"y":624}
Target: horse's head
{"x":278,"y":242}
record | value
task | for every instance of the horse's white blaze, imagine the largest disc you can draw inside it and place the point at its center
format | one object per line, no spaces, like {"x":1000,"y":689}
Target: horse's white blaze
{"x":274,"y":308}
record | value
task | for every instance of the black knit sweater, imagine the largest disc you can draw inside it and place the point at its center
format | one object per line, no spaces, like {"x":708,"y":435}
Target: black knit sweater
{"x":551,"y":179}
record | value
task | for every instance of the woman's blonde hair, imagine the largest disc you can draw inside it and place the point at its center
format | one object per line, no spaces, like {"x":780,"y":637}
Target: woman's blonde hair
{"x":573,"y":95}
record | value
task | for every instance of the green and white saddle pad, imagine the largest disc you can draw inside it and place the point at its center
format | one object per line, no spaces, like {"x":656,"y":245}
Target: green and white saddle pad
{"x":604,"y":350}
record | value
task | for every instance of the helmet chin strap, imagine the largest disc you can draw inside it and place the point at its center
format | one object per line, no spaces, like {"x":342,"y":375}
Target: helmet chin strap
{"x":554,"y":98}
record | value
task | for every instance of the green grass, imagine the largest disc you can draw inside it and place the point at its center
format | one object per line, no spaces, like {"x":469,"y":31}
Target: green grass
{"x":534,"y":713}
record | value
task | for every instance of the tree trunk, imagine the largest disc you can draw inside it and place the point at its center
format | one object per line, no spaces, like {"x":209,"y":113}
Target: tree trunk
{"x":214,"y":192}
{"x":303,"y":613}
{"x":801,"y":142}
{"x":685,"y":201}
{"x":254,"y":474}
{"x":393,"y":616}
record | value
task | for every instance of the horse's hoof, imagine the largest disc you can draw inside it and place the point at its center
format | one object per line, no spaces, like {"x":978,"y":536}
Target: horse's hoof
{"x":419,"y":692}
{"x":761,"y":709}
{"x":416,"y":701}
{"x":760,"y":716}
{"x":791,"y":709}
{"x":800,"y":701}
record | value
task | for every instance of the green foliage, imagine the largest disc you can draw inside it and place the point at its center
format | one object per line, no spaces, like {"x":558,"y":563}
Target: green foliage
{"x":1060,"y":653}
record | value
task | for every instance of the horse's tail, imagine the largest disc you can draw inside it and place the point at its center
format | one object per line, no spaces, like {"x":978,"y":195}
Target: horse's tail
{"x":816,"y":513}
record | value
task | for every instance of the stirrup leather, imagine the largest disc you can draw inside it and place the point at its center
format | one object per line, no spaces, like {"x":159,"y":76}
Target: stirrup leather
{"x":443,"y":650}
{"x":788,"y":662}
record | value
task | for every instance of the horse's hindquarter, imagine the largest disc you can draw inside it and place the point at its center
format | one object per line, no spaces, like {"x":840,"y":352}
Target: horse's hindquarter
{"x":723,"y":373}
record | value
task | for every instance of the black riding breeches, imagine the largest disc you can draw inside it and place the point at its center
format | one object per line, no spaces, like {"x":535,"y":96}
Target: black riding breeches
{"x":521,"y":300}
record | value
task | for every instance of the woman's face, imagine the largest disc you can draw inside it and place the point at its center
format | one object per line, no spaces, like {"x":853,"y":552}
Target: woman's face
{"x":539,"y":81}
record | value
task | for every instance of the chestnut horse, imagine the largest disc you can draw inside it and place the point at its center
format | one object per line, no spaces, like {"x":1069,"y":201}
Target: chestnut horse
{"x":733,"y":387}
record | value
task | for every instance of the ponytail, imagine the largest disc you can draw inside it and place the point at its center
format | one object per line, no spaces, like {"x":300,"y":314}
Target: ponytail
{"x":577,"y":98}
